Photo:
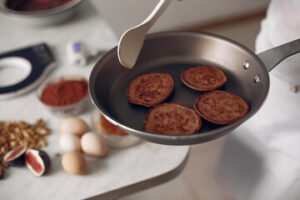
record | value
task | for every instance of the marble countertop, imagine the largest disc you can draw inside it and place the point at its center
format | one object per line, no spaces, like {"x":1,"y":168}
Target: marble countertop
{"x":123,"y":171}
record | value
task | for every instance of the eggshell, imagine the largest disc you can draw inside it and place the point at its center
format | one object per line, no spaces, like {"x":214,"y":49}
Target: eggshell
{"x":93,"y":144}
{"x":74,"y":125}
{"x":74,"y":162}
{"x":69,"y":142}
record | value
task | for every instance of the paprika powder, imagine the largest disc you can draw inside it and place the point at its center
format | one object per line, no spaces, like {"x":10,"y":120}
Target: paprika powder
{"x":65,"y":92}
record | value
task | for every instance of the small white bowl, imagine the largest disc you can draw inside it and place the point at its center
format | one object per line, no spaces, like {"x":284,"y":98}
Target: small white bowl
{"x":66,"y":110}
{"x":43,"y":17}
{"x":116,"y":141}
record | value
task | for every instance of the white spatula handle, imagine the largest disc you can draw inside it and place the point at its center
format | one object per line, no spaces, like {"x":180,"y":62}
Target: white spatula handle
{"x":157,"y":11}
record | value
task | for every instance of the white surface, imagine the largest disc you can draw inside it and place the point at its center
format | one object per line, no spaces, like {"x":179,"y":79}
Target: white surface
{"x":86,"y":26}
{"x":120,"y":168}
{"x":123,"y":14}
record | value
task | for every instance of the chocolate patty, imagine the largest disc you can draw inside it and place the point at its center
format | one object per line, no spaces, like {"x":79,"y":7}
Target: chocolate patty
{"x":220,"y":107}
{"x":150,"y":89}
{"x":172,"y":119}
{"x":203,"y":78}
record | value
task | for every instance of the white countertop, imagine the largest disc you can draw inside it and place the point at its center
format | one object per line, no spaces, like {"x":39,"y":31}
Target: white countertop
{"x":122,"y":168}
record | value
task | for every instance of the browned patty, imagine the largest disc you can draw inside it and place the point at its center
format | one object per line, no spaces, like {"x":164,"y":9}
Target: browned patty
{"x":172,"y":119}
{"x":220,"y":107}
{"x":203,"y":78}
{"x":150,"y":89}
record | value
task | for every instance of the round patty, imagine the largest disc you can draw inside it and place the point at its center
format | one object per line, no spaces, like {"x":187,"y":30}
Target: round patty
{"x":150,"y":89}
{"x":203,"y":78}
{"x":220,"y":107}
{"x":172,"y":119}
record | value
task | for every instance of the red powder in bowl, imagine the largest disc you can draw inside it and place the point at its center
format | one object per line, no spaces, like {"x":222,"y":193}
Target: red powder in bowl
{"x":64,"y":92}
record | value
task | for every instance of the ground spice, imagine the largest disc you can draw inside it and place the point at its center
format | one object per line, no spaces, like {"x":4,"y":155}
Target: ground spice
{"x":64,"y":92}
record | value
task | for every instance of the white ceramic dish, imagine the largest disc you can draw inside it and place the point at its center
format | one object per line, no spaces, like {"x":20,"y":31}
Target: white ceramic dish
{"x":114,"y":141}
{"x":67,"y":110}
{"x":42,"y":18}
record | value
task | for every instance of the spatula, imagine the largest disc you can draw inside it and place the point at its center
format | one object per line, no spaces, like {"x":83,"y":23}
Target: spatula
{"x":132,"y":40}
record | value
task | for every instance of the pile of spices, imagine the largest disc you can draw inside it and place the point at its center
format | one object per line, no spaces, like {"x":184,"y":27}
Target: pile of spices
{"x":14,"y":134}
{"x":65,"y":92}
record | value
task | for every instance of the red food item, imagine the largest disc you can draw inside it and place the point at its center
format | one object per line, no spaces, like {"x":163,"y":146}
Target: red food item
{"x":31,"y":159}
{"x":106,"y":127}
{"x":37,"y":161}
{"x":34,"y":5}
{"x":15,"y":152}
{"x":15,"y":157}
{"x":64,"y":92}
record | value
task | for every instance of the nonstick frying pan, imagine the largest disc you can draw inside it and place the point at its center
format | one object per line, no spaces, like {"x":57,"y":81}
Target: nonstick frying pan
{"x":174,"y":52}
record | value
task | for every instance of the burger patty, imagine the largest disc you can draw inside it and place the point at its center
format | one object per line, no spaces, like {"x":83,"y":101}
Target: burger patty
{"x":172,"y":119}
{"x":220,"y":107}
{"x":203,"y":78}
{"x":150,"y":89}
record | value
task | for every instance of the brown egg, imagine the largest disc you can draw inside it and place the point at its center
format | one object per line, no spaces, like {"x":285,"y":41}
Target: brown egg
{"x":74,"y":162}
{"x":93,"y":144}
{"x":74,"y":125}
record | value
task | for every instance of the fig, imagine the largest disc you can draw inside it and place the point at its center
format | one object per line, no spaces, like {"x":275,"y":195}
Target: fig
{"x":1,"y":172}
{"x":15,"y":157}
{"x":37,"y":161}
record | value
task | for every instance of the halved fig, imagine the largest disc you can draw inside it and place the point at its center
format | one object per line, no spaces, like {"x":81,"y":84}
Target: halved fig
{"x":172,"y":119}
{"x":150,"y":89}
{"x":37,"y":161}
{"x":15,"y":157}
{"x":203,"y":78}
{"x":220,"y":107}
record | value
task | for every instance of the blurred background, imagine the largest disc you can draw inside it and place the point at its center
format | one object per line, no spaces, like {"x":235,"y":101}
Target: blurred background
{"x":185,"y":14}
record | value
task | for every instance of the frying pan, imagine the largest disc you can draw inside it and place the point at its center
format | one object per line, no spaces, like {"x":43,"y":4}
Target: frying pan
{"x":174,"y":52}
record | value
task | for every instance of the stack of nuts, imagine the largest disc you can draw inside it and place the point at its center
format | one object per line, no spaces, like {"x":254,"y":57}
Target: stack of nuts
{"x":75,"y":140}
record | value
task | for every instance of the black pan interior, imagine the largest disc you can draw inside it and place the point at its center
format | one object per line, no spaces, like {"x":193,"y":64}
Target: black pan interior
{"x":125,"y":111}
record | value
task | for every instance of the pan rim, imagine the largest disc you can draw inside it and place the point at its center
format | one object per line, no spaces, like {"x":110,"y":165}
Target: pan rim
{"x":178,"y":139}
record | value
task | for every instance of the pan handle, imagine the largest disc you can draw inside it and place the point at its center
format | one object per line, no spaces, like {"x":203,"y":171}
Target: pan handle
{"x":274,"y":56}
